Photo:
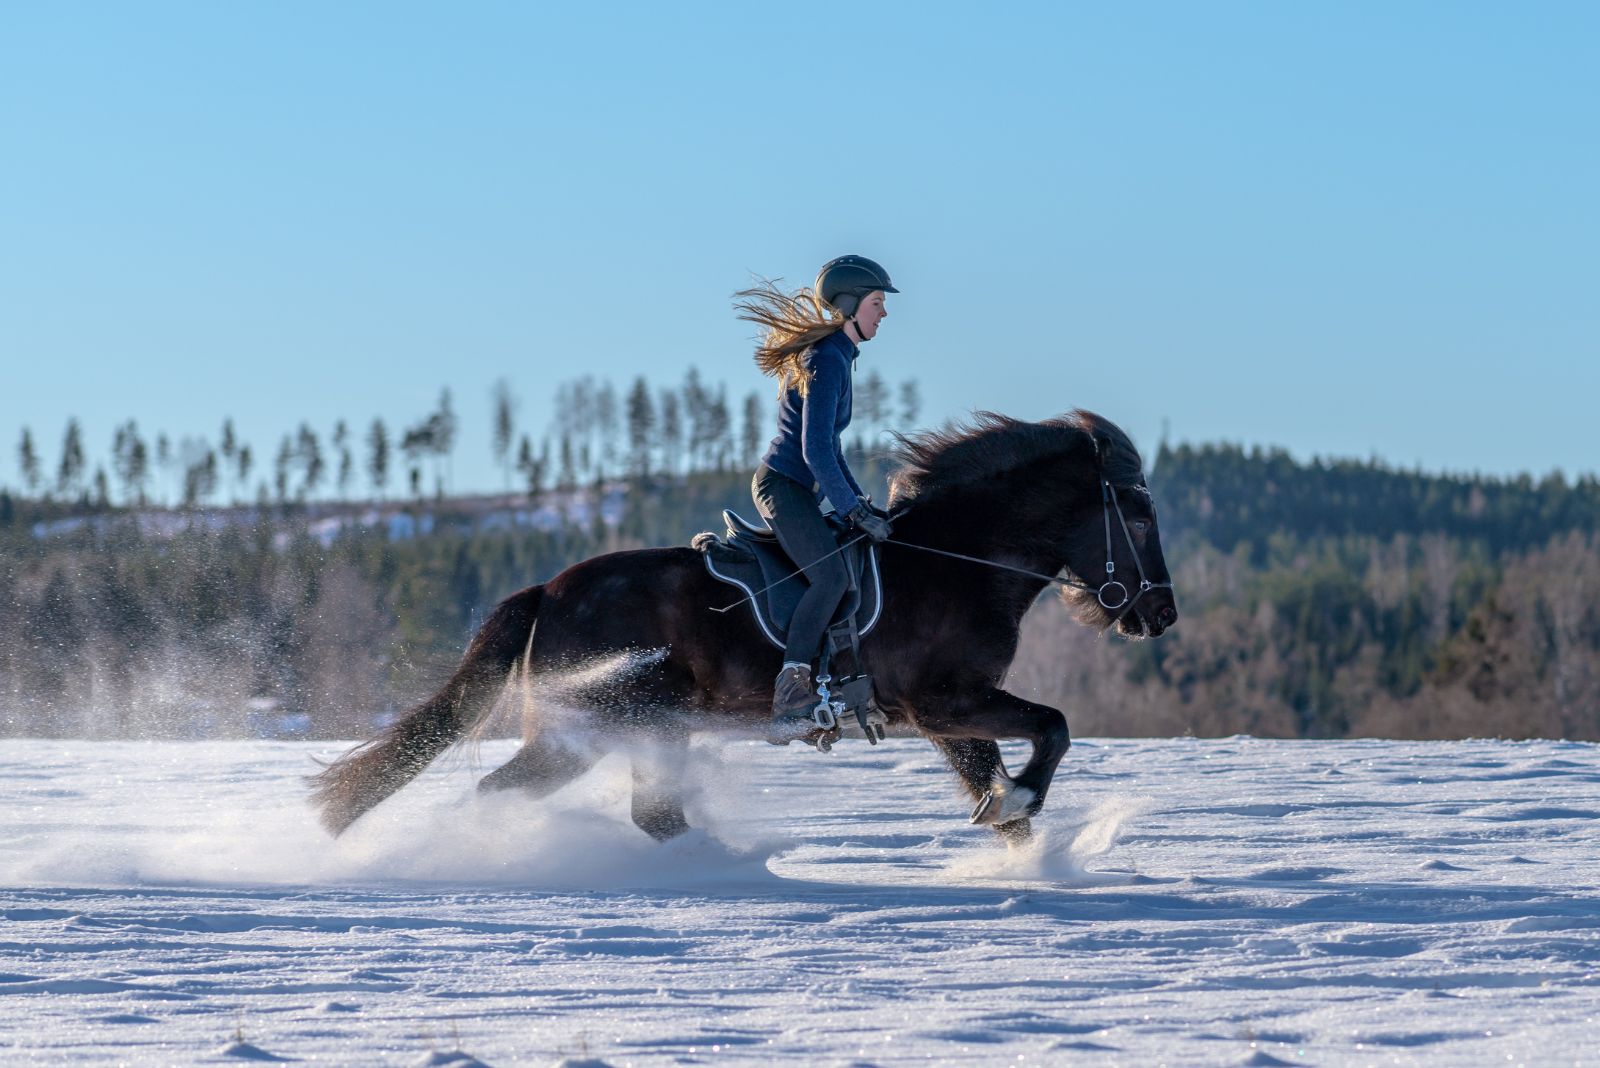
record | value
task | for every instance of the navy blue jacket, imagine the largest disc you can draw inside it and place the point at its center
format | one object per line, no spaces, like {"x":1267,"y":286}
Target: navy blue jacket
{"x":808,"y":448}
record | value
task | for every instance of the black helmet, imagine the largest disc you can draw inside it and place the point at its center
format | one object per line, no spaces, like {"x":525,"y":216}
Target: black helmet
{"x":844,"y":281}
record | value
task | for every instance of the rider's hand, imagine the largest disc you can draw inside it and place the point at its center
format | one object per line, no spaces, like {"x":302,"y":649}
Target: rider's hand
{"x":865,"y":519}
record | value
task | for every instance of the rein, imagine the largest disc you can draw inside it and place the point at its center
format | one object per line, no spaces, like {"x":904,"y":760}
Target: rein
{"x":1108,"y":504}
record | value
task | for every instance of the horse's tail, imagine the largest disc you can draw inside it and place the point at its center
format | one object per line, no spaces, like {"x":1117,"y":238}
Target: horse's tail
{"x":370,"y":772}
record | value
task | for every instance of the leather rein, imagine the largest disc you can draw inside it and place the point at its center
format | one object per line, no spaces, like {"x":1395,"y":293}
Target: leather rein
{"x":1123,"y":601}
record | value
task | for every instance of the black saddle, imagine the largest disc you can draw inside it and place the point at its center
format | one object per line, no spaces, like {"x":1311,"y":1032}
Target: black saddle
{"x":749,"y":558}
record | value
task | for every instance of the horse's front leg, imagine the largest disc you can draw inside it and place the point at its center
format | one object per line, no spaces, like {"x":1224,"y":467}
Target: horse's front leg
{"x":991,"y":715}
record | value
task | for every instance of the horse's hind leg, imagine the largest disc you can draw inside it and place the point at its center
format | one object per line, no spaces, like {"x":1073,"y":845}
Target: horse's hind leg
{"x":975,"y":763}
{"x":542,"y":766}
{"x":658,"y":770}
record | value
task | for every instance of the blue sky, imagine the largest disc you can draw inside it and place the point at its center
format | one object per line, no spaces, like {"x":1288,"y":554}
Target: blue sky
{"x":1348,"y":229}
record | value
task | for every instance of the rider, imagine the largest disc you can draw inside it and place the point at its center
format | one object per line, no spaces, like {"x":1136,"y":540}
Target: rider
{"x":811,"y":344}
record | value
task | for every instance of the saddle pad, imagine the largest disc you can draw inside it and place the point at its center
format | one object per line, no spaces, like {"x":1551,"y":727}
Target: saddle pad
{"x":751,"y":563}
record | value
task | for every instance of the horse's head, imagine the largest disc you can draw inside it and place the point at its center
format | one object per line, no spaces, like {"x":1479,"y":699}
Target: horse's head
{"x":1114,"y":550}
{"x":1071,"y":489}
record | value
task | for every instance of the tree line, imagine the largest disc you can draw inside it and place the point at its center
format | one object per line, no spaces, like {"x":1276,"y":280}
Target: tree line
{"x":1320,"y":599}
{"x":598,"y":432}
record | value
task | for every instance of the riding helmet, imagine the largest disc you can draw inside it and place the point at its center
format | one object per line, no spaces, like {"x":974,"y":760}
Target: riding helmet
{"x":844,"y":281}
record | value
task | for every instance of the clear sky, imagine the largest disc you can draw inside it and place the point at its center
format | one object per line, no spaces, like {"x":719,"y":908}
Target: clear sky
{"x":1350,"y":229}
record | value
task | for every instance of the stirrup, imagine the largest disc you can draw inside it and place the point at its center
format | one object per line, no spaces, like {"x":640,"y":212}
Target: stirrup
{"x":818,"y":727}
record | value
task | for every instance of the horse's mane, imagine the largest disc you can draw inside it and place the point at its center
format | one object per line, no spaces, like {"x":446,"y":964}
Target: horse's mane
{"x":991,"y":445}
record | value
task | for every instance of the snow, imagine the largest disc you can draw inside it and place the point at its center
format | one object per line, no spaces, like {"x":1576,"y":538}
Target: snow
{"x":1187,"y":902}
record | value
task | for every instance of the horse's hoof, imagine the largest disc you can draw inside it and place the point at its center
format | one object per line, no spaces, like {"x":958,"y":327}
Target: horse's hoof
{"x":1004,"y":802}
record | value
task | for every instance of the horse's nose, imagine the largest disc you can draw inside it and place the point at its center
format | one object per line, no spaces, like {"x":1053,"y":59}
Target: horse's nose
{"x":1167,"y":616}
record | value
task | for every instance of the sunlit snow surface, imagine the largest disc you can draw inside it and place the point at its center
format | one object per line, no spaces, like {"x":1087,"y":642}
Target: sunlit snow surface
{"x":1232,"y":902}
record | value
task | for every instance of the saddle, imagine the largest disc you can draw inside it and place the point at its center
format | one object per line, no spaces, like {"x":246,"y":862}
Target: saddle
{"x":750,"y":559}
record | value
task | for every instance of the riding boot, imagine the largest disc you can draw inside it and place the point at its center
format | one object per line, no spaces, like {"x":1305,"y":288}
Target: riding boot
{"x":792,"y":704}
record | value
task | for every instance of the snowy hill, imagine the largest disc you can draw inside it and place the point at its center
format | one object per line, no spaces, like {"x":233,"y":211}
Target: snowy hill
{"x":1232,"y":902}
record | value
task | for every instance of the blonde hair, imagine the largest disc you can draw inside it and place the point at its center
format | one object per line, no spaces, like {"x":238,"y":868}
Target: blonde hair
{"x":794,"y":322}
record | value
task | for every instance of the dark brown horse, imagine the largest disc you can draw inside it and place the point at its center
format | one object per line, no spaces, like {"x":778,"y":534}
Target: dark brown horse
{"x":1064,"y":495}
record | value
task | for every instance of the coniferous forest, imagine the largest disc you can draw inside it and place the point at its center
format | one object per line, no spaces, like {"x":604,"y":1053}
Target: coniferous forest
{"x":190,"y":589}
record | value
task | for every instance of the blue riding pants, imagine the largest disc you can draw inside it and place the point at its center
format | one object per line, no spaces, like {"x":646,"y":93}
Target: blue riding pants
{"x":791,"y":510}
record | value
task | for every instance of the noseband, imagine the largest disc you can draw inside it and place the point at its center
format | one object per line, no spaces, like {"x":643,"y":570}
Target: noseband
{"x":1124,"y":603}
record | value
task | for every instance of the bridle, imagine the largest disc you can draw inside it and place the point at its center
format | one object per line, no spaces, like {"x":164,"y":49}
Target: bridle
{"x":1108,"y":504}
{"x":1124,"y":602}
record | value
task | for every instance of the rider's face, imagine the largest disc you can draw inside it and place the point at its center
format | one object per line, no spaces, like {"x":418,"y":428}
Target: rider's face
{"x":870,"y":314}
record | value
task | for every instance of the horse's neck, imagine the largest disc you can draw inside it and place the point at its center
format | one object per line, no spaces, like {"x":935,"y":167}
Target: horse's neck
{"x":984,"y":531}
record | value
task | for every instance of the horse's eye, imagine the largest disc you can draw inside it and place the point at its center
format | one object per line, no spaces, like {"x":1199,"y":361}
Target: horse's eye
{"x":1141,"y":526}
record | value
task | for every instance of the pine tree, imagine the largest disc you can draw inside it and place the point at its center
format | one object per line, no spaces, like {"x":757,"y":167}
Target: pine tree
{"x":70,"y":474}
{"x":341,"y":441}
{"x":751,"y":433}
{"x":671,"y":431}
{"x":504,"y":428}
{"x":696,"y":410}
{"x":130,"y":459}
{"x":872,"y":402}
{"x":567,"y":475}
{"x":28,"y":462}
{"x":245,"y":461}
{"x":200,"y":480}
{"x":719,"y":429}
{"x":308,"y":452}
{"x":230,"y":449}
{"x":641,"y":428}
{"x":280,"y":469}
{"x":444,"y":436}
{"x":163,"y":462}
{"x":910,"y":404}
{"x":378,"y":456}
{"x":609,"y":428}
{"x":417,"y":442}
{"x":532,"y":467}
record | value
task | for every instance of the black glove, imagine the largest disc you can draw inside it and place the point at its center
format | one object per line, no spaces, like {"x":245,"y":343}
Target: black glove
{"x":864,"y":519}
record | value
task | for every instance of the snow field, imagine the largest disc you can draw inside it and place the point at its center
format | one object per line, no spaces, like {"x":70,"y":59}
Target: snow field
{"x":1188,"y":902}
